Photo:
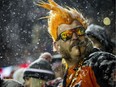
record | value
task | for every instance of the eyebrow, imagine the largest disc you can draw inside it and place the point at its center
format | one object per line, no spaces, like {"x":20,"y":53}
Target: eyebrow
{"x":73,"y":28}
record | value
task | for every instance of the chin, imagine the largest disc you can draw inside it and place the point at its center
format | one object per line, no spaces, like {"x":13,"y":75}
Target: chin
{"x":75,"y":49}
{"x":75,"y":53}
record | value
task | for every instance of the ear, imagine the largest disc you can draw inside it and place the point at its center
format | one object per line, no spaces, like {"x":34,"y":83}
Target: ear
{"x":56,"y":46}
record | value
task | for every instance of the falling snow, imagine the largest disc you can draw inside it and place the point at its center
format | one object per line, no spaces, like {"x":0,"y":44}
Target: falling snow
{"x":24,"y":36}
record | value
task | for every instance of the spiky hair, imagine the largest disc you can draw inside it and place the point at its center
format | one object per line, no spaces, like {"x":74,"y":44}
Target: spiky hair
{"x":59,"y":15}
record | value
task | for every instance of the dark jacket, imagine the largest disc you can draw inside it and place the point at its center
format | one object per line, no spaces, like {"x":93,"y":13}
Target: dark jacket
{"x":96,"y":71}
{"x":10,"y":83}
{"x":103,"y":65}
{"x":100,"y":34}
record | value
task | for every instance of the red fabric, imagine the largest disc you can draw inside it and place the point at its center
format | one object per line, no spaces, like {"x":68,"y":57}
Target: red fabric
{"x":24,"y":65}
{"x":1,"y":70}
{"x":85,"y":78}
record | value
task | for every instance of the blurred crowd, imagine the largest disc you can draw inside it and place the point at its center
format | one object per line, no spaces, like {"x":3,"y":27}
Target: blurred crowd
{"x":47,"y":70}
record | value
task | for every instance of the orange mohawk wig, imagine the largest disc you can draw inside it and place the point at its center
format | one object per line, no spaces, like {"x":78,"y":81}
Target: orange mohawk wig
{"x":59,"y":15}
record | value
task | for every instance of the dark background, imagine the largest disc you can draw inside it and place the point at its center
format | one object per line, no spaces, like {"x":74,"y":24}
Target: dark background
{"x":23,"y":36}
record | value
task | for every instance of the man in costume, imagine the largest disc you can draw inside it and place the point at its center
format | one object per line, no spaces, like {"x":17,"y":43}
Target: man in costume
{"x":86,"y":68}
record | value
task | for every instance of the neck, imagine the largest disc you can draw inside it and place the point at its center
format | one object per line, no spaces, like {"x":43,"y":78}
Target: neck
{"x":71,"y":63}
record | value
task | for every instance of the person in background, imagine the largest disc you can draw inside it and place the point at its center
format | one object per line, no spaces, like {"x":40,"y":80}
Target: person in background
{"x":47,"y":56}
{"x":57,"y":66}
{"x":9,"y":83}
{"x":100,"y":38}
{"x":58,"y":69}
{"x":38,"y":73}
{"x":18,"y":75}
{"x":85,"y":68}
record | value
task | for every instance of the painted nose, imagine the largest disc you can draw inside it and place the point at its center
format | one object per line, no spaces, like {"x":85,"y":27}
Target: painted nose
{"x":74,"y":36}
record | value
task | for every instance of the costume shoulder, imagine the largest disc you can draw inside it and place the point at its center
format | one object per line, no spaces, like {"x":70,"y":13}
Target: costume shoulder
{"x":103,"y":65}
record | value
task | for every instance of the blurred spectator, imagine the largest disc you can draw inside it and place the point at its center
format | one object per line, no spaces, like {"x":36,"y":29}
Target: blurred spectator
{"x":38,"y":73}
{"x":6,"y":72}
{"x":100,"y":38}
{"x":47,"y":56}
{"x":59,"y":69}
{"x":9,"y":83}
{"x":58,"y":66}
{"x":18,"y":75}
